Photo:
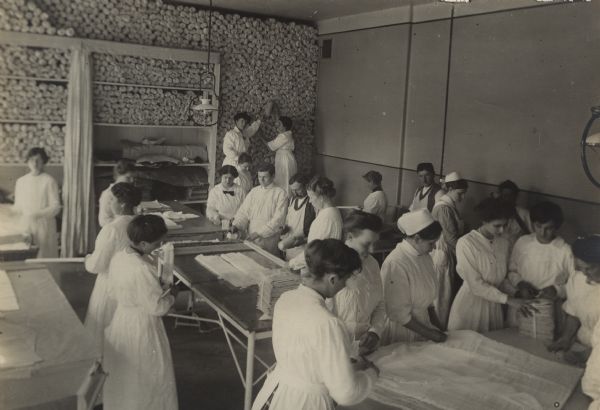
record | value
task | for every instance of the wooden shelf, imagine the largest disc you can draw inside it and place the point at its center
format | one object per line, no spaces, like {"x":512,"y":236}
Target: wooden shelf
{"x":106,"y":124}
{"x":17,"y":164}
{"x":161,"y":87}
{"x":111,"y":164}
{"x":43,"y":79}
{"x":9,"y":121}
{"x":190,"y":202}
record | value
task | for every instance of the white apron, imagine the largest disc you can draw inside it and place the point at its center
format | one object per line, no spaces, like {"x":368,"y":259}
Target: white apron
{"x":295,"y":220}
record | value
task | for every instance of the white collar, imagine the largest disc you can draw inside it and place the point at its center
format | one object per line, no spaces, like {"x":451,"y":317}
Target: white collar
{"x":408,"y":248}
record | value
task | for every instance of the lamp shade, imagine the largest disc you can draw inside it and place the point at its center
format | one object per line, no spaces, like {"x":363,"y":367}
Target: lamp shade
{"x":593,"y":140}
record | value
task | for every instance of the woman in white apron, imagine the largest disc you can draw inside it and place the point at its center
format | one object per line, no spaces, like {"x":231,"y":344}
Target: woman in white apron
{"x":283,"y":145}
{"x":445,"y":211}
{"x":300,"y":215}
{"x":37,"y":202}
{"x":311,"y":344}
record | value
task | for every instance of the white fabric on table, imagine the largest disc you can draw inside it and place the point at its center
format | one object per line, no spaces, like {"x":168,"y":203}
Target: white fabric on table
{"x":376,"y":203}
{"x":137,"y":352}
{"x":470,"y":372}
{"x":483,"y":265}
{"x":409,"y":289}
{"x":224,"y":206}
{"x":360,"y":303}
{"x":8,"y":299}
{"x":285,"y":162}
{"x":37,"y":201}
{"x":111,"y":239}
{"x":313,"y":363}
{"x":582,"y":302}
{"x":17,"y":346}
{"x":237,"y":142}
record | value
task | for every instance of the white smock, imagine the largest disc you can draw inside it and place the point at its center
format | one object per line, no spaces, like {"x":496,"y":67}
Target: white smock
{"x":244,"y":180}
{"x":237,"y":142}
{"x":483,"y":265}
{"x":590,"y":383}
{"x":111,"y":239}
{"x":263,"y":213}
{"x":583,"y":303}
{"x":137,"y":355}
{"x":221,"y":205}
{"x":105,"y":212}
{"x":313,"y":362}
{"x":328,"y":224}
{"x":376,"y":203}
{"x":360,"y":304}
{"x":38,"y":202}
{"x":409,"y":289}
{"x":285,"y":162}
{"x":295,"y":221}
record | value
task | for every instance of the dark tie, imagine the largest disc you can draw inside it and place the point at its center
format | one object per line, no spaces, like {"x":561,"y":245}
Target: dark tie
{"x":232,"y":193}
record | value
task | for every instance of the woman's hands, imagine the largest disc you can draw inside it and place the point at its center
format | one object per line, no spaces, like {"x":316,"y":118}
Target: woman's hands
{"x":523,"y":306}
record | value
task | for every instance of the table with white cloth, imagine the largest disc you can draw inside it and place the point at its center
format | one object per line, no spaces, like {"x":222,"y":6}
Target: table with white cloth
{"x":66,"y":374}
{"x":510,"y":337}
{"x":236,"y":308}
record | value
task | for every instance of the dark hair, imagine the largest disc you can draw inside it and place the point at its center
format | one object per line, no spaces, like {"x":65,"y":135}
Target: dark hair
{"x":491,"y":209}
{"x":244,"y":157}
{"x":587,"y":249}
{"x":146,"y":228}
{"x":430,"y":232}
{"x":508,"y":184}
{"x":426,"y":166}
{"x":123,"y":166}
{"x":331,"y":256}
{"x":228,"y":170}
{"x":322,"y":186}
{"x":127,"y":193}
{"x":373,"y":176}
{"x":460,"y":184}
{"x":267,"y":167}
{"x":38,"y":151}
{"x":286,"y":122}
{"x":241,"y":115}
{"x":300,"y":178}
{"x":358,"y":221}
{"x":545,"y":212}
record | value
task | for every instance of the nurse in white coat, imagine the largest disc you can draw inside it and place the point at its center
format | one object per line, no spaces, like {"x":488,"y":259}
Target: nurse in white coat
{"x":37,"y":203}
{"x":225,"y":199}
{"x":300,"y":215}
{"x":122,"y":172}
{"x":409,"y":282}
{"x":376,"y":202}
{"x":482,"y":262}
{"x":137,"y":355}
{"x":360,"y":304}
{"x":283,"y":145}
{"x":583,"y":293}
{"x":328,"y":224}
{"x":237,"y":140}
{"x":111,"y":239}
{"x":311,"y":344}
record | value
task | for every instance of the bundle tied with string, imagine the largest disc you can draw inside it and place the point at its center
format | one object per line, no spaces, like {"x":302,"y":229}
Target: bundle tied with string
{"x":540,"y":325}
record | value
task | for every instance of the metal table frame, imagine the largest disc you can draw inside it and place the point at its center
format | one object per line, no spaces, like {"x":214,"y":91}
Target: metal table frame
{"x":228,"y":323}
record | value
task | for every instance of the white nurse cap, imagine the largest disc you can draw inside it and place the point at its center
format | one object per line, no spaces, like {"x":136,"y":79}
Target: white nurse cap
{"x":453,"y":176}
{"x":414,"y":222}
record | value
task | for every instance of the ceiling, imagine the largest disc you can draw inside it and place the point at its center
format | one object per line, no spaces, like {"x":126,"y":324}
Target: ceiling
{"x":312,"y":10}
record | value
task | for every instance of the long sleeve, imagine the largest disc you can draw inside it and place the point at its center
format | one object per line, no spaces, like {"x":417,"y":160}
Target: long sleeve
{"x":53,"y":201}
{"x":18,"y":205}
{"x":445,"y":216}
{"x":278,"y":142}
{"x":105,"y":214}
{"x":242,"y":216}
{"x":277,"y":220}
{"x":378,"y":318}
{"x":149,"y":293}
{"x":345,"y":386}
{"x":373,"y":204}
{"x":309,"y":217}
{"x":104,"y":249}
{"x":212,"y":211}
{"x":514,"y":276}
{"x":469,"y":271}
{"x":396,"y":293}
{"x":229,"y":148}
{"x":251,"y":129}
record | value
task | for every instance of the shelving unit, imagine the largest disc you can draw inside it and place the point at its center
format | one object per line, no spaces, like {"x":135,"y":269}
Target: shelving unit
{"x":111,"y":164}
{"x":161,"y":87}
{"x":40,"y":79}
{"x":16,"y":121}
{"x":106,"y":124}
{"x":16,"y":164}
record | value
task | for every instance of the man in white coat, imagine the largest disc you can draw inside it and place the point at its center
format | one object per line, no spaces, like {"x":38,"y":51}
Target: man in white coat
{"x":262,"y":214}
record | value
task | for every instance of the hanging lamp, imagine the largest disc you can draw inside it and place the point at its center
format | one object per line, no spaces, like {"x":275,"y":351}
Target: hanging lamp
{"x":203,"y":108}
{"x":590,"y":143}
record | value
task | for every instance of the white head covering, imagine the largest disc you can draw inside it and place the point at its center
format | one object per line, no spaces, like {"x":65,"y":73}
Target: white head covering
{"x":413,"y":222}
{"x":453,"y":176}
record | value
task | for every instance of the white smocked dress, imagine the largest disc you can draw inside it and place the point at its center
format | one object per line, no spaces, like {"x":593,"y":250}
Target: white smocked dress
{"x":285,"y":162}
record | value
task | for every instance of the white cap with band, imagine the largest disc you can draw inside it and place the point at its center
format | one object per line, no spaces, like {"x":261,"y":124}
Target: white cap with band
{"x":414,"y":222}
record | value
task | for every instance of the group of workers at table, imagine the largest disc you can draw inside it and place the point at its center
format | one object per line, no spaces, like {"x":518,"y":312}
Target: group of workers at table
{"x":439,"y":278}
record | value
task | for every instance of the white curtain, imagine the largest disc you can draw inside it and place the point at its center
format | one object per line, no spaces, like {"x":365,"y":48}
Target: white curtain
{"x":78,"y":228}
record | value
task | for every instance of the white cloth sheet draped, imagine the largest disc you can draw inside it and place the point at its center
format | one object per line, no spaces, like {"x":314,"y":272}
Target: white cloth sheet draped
{"x":78,"y":225}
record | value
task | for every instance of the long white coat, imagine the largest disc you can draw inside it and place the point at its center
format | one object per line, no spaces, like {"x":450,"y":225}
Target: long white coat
{"x":313,"y":362}
{"x":111,"y":239}
{"x":137,"y":355}
{"x":237,"y":142}
{"x":37,"y":202}
{"x":285,"y":162}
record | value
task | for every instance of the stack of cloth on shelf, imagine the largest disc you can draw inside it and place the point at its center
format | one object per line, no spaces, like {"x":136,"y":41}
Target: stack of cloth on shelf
{"x":540,"y":325}
{"x":161,"y":153}
{"x":197,"y":193}
{"x":271,"y":288}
